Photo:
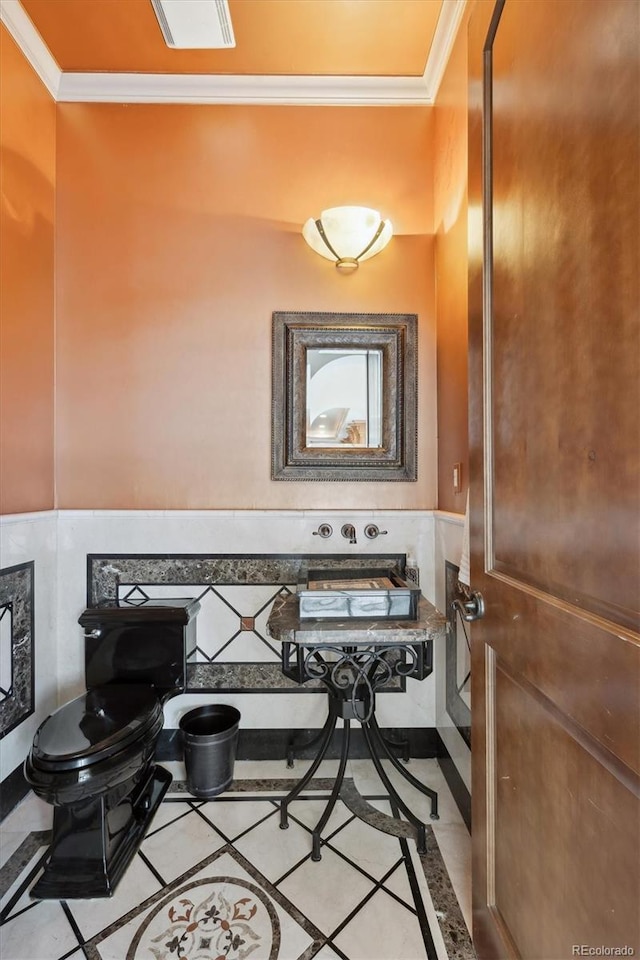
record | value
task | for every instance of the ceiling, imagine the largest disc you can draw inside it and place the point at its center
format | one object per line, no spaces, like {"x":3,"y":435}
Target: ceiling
{"x":287,"y":51}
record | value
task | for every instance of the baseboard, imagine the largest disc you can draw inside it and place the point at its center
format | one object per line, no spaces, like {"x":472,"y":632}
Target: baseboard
{"x":273,"y":744}
{"x":456,"y":784}
{"x":424,"y":742}
{"x":12,"y":790}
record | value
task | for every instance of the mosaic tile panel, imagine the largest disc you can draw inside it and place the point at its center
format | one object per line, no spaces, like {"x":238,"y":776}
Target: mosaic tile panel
{"x":17,"y":628}
{"x":236,"y":593}
{"x":6,"y":651}
{"x":221,"y":908}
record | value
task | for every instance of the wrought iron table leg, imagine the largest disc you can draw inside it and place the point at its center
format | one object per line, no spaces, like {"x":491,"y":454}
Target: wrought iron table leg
{"x":327,"y":733}
{"x":376,"y":737}
{"x":344,"y":756}
{"x":421,"y":829}
{"x":293,"y":746}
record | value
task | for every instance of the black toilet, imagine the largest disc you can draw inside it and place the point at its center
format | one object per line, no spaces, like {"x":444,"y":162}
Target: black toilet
{"x":93,"y":759}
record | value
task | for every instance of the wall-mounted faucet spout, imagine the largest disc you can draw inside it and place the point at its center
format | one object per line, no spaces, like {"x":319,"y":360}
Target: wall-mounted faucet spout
{"x":349,"y":532}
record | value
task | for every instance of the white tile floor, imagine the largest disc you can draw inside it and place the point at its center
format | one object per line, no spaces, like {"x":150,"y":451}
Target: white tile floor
{"x":219,"y":879}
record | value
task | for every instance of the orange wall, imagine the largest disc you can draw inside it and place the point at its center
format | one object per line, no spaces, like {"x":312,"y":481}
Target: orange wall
{"x":178,"y":236}
{"x":450,"y":202}
{"x":27,"y":145}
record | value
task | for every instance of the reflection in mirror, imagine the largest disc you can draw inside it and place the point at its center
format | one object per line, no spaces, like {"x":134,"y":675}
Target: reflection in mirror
{"x":344,"y":397}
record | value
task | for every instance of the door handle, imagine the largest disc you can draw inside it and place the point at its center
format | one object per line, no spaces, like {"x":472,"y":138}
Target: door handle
{"x":472,"y":609}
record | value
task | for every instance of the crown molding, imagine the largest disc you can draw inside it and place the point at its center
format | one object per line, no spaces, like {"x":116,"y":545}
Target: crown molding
{"x":72,"y":87}
{"x":30,"y":42}
{"x":266,"y":90}
{"x":443,"y":39}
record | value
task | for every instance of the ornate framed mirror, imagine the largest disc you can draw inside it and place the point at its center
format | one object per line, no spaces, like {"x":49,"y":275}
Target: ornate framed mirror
{"x":344,"y":396}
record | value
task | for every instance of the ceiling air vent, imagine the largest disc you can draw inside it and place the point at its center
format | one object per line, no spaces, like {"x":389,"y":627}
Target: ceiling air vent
{"x":195,"y":24}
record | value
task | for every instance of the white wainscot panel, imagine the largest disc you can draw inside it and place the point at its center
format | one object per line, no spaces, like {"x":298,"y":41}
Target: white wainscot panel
{"x":416,"y":707}
{"x":210,"y":532}
{"x":448,"y":529}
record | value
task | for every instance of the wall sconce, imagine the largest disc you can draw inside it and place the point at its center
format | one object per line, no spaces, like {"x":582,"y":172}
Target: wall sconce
{"x":347,"y":235}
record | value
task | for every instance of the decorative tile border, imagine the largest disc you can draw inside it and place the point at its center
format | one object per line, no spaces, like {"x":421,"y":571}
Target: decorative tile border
{"x":456,"y":706}
{"x":452,"y":926}
{"x":106,"y":571}
{"x":17,"y":598}
{"x":242,"y":677}
{"x":35,"y":841}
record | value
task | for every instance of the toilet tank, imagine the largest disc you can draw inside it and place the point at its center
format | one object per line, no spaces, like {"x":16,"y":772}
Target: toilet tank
{"x":147,"y":642}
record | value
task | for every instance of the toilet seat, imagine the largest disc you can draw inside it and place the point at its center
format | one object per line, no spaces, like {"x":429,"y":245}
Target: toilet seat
{"x":99,"y":723}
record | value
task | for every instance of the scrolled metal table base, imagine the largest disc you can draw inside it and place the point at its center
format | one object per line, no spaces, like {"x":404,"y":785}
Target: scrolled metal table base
{"x":352,"y":674}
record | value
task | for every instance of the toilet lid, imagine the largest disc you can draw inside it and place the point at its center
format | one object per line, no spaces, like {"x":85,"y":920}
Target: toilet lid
{"x":96,"y":724}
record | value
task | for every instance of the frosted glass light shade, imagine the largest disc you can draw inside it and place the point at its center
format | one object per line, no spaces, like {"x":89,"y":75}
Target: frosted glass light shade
{"x":347,"y":235}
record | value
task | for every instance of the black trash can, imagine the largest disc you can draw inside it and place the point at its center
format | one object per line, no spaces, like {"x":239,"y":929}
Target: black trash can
{"x":210,"y":740}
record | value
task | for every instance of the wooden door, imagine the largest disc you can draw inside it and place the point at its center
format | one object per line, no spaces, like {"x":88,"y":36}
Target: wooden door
{"x":554,"y":372}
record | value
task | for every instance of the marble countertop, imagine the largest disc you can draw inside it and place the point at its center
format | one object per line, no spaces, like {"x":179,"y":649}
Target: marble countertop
{"x":285,"y":625}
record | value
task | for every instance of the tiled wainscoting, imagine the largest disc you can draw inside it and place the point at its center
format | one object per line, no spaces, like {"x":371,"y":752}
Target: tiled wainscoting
{"x":58,"y":543}
{"x":237,"y":660}
{"x":235,"y":657}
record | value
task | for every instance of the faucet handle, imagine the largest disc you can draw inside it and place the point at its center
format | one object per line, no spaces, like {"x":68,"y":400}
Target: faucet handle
{"x":324,"y":530}
{"x":371,"y":531}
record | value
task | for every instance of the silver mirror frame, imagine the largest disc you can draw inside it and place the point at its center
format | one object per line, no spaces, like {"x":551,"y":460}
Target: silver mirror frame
{"x":396,"y":334}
